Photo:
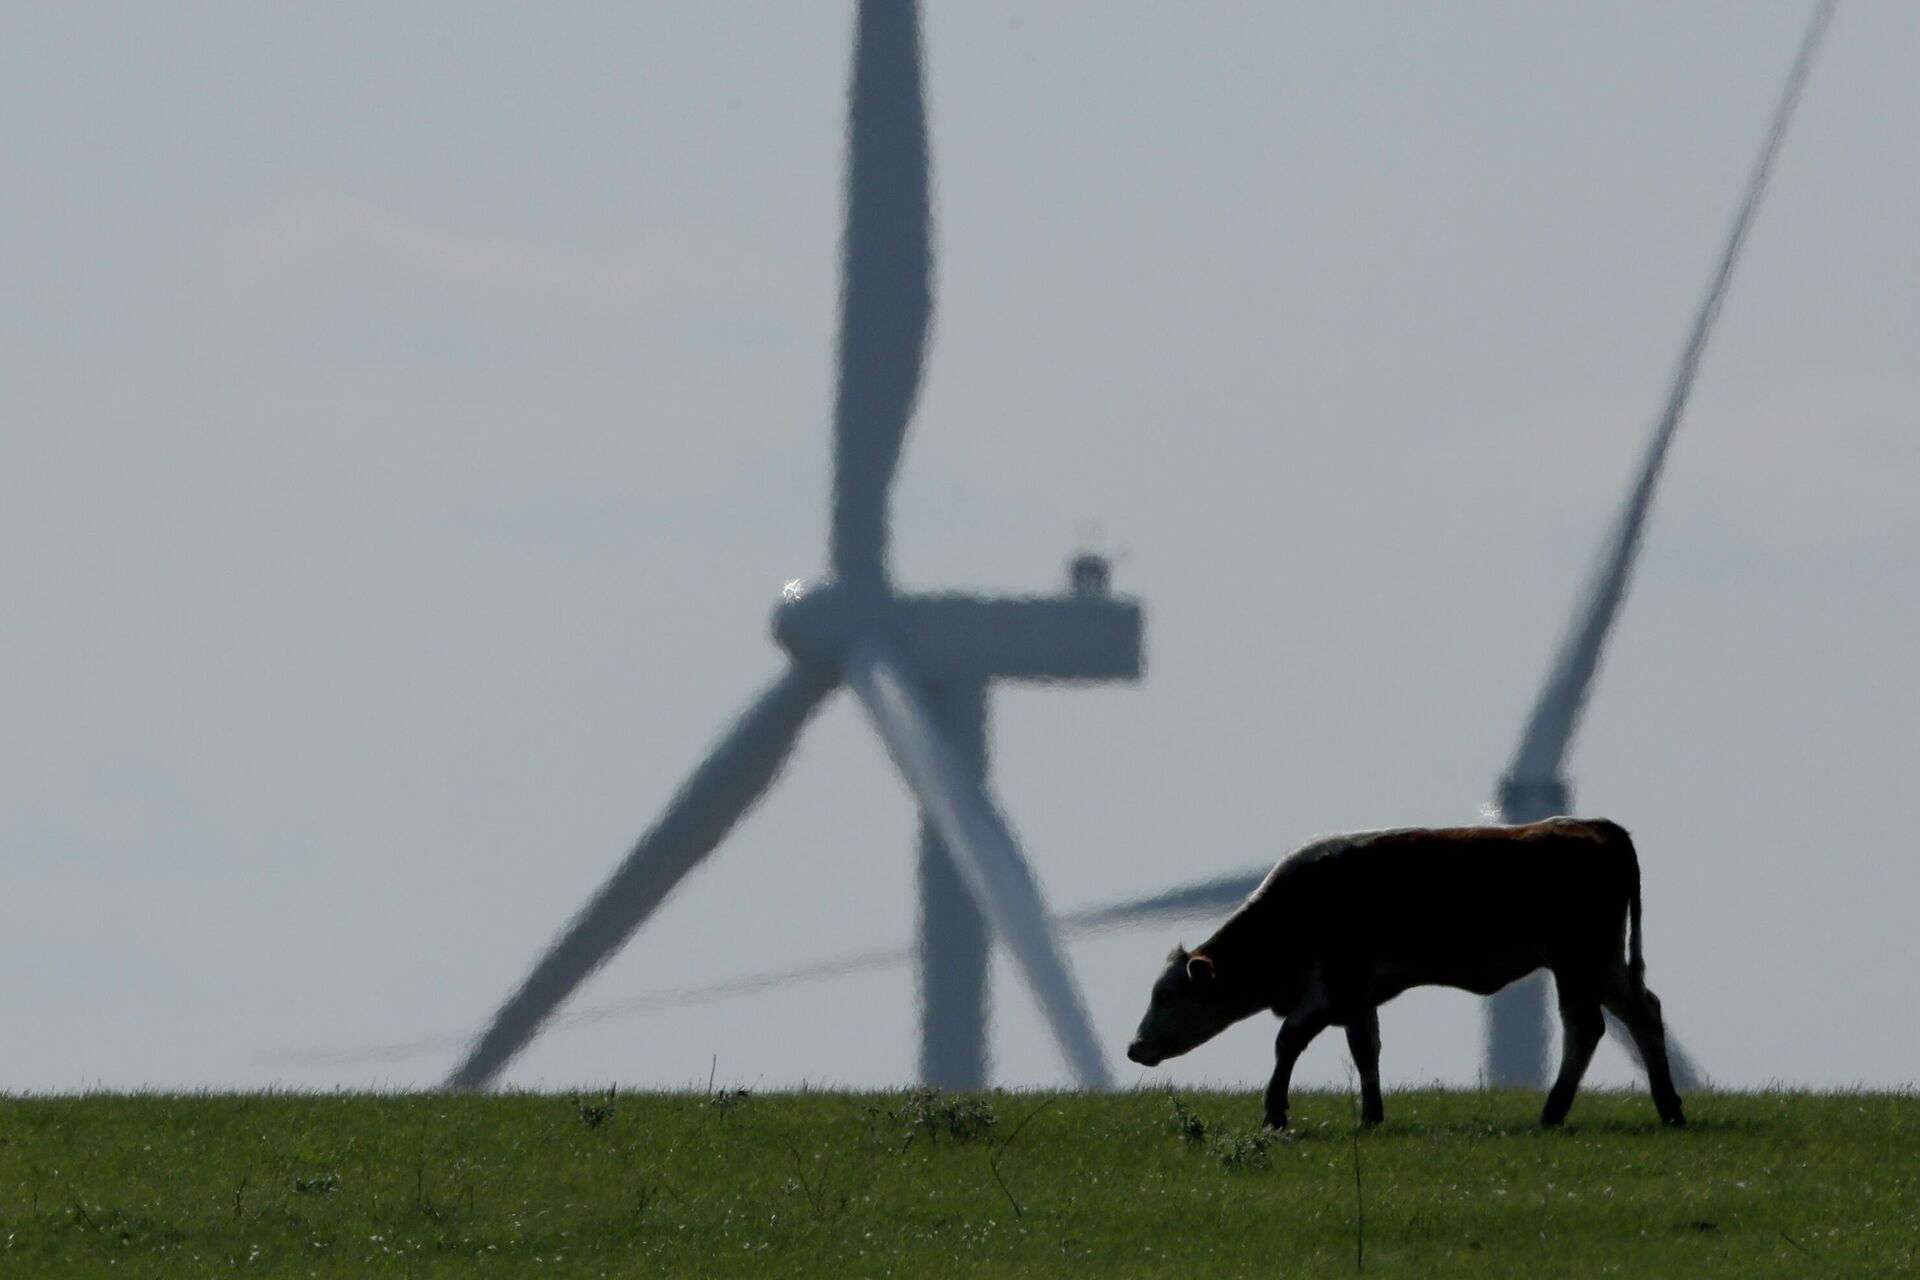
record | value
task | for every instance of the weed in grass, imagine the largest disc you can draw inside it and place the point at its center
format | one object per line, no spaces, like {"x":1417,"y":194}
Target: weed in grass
{"x":594,"y":1114}
{"x":422,"y":1202}
{"x":724,"y":1100}
{"x":643,"y":1200}
{"x":956,"y":1117}
{"x":1237,"y":1152}
{"x":993,"y":1163}
{"x":825,"y":1205}
{"x":1190,"y":1127}
{"x":1231,"y":1149}
{"x":320,"y":1184}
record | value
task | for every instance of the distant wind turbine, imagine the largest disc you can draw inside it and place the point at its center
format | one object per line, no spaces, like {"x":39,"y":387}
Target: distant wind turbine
{"x":919,"y":665}
{"x":1535,"y":785}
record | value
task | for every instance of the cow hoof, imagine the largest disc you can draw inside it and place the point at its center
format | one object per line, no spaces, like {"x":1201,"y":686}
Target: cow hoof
{"x":1372,"y":1119}
{"x":1674,"y":1121}
{"x":1275,"y":1122}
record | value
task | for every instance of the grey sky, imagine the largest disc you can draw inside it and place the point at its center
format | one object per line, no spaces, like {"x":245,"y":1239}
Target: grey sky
{"x":409,"y":415}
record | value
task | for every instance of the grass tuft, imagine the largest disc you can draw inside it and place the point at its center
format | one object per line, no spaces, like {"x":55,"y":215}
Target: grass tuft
{"x":594,"y":1114}
{"x":934,"y":1115}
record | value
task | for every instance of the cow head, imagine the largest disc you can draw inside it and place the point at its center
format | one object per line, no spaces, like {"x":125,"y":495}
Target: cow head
{"x":1192,"y":1003}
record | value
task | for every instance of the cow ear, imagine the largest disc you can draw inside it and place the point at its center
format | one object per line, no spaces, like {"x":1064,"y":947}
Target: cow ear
{"x":1200,"y":968}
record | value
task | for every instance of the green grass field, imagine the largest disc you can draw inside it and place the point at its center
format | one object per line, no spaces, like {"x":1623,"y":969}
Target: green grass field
{"x":1141,"y":1184}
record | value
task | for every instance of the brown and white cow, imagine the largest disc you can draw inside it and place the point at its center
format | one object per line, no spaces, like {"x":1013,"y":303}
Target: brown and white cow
{"x":1345,"y":923}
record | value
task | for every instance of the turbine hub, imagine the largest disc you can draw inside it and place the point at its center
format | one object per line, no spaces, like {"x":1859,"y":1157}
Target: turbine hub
{"x":817,"y":621}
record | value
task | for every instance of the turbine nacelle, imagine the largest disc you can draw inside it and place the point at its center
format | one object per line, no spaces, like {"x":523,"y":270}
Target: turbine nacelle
{"x":1078,"y":635}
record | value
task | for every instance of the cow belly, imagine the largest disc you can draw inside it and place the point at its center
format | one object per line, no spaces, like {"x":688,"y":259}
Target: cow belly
{"x":1483,"y":975}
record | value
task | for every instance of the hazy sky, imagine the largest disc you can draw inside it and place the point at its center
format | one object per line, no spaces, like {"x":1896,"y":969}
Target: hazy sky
{"x":409,"y":414}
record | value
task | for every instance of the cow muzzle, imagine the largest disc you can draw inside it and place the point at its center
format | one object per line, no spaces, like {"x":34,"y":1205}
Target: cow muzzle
{"x":1138,"y":1052}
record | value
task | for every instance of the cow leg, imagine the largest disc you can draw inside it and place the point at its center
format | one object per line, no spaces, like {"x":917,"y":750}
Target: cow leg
{"x":1296,"y":1033}
{"x":1581,"y":1028}
{"x":1363,"y":1041}
{"x":1629,"y":1000}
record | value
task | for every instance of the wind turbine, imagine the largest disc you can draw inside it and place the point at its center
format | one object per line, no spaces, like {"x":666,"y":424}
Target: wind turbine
{"x":919,"y":665}
{"x":1534,"y":785}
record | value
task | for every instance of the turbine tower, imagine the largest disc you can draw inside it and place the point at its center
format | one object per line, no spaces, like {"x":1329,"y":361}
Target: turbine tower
{"x":919,"y":665}
{"x":1535,"y":785}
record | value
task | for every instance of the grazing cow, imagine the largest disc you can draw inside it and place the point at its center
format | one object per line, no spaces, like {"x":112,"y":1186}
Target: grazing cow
{"x":1346,"y":923}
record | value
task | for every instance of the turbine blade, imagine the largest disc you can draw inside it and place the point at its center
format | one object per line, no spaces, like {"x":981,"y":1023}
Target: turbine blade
{"x":1687,"y":1076}
{"x":983,"y":848}
{"x":1189,"y":900}
{"x":886,"y":282}
{"x":1222,"y":893}
{"x":1556,"y":715}
{"x":847,"y":964}
{"x":707,"y":805}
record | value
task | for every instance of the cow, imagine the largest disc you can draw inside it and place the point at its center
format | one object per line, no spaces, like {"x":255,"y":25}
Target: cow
{"x":1345,"y":923}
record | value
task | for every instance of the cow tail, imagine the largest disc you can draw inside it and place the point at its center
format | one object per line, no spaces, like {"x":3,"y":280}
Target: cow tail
{"x":1636,"y":962}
